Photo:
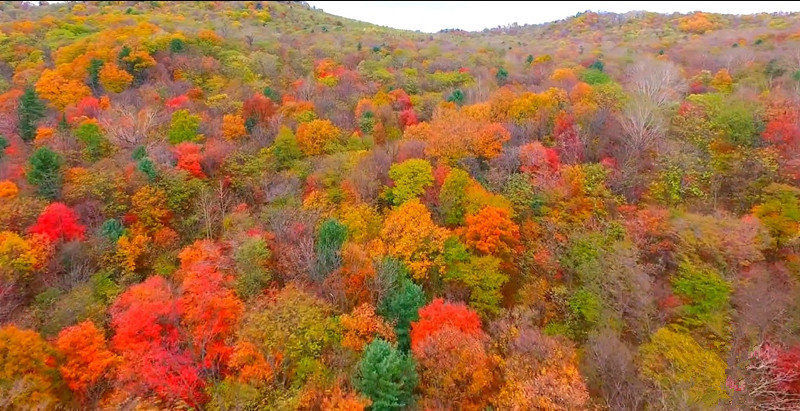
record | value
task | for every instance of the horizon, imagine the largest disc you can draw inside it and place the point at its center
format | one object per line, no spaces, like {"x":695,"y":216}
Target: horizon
{"x":435,"y":16}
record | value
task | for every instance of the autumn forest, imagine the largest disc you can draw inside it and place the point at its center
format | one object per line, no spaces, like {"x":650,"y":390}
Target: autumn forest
{"x":258,"y":205}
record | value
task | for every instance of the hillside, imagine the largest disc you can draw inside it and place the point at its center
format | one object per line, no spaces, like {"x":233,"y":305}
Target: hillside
{"x":257,"y":205}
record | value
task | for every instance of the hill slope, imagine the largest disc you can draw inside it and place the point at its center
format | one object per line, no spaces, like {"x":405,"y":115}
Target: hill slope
{"x":258,"y":205}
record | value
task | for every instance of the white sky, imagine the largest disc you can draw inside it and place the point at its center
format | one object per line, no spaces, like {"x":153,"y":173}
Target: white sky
{"x":432,"y":16}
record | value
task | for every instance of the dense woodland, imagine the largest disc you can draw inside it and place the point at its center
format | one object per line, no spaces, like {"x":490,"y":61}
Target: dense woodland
{"x":257,"y":205}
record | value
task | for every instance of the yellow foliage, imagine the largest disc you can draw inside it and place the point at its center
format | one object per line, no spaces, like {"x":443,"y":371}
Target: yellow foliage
{"x":114,"y":79}
{"x":8,"y":189}
{"x":60,"y":90}
{"x":411,"y":235}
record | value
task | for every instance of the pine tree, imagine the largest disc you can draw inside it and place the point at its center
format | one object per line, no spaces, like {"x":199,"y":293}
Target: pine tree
{"x":44,"y":171}
{"x":386,"y":375}
{"x":30,"y":111}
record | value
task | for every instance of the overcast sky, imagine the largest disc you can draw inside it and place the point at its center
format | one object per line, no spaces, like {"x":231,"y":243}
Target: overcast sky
{"x":432,"y":16}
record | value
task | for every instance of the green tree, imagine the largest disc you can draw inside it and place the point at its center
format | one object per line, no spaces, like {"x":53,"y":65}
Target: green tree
{"x":3,"y":145}
{"x":401,"y":306}
{"x":481,"y":275}
{"x":330,"y":237}
{"x":453,"y":197}
{"x":677,"y":364}
{"x":44,"y":171}
{"x":94,"y":72}
{"x":95,"y":144}
{"x":411,"y":178}
{"x":184,"y":127}
{"x":285,"y":148}
{"x":386,"y":375}
{"x":30,"y":111}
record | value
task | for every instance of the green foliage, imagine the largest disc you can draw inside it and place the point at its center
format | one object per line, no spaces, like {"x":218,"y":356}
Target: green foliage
{"x":453,"y":197}
{"x":285,"y":148}
{"x":707,"y":299}
{"x":95,"y":144}
{"x":595,"y":76}
{"x":457,"y":96}
{"x":330,"y":238}
{"x":139,"y":153}
{"x":44,"y":171}
{"x":29,"y":112}
{"x":411,"y":178}
{"x":272,"y":94}
{"x":176,"y":46}
{"x":736,"y":120}
{"x":481,"y":275}
{"x":112,"y":230}
{"x":523,"y":196}
{"x":252,"y":270}
{"x":3,"y":146}
{"x":386,"y":375}
{"x":780,"y":212}
{"x":597,"y":65}
{"x":94,"y":72}
{"x":677,"y":364}
{"x":147,"y":167}
{"x":184,"y":126}
{"x":401,"y":306}
{"x":501,"y":76}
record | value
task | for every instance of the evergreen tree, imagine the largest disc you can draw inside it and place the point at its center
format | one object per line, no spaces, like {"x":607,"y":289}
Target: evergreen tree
{"x":386,"y":375}
{"x":30,"y":111}
{"x":44,"y":171}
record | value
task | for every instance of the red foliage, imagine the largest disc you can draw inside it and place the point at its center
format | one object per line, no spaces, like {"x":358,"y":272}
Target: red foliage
{"x":540,"y":162}
{"x":209,"y":308}
{"x":88,"y":107}
{"x":408,"y":117}
{"x":177,"y":102}
{"x":145,"y":320}
{"x":440,"y":314}
{"x":189,"y":158}
{"x":59,"y":222}
{"x":565,"y":134}
{"x":259,"y":107}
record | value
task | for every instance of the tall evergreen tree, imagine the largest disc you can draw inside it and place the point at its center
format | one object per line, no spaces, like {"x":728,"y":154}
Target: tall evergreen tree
{"x":30,"y":111}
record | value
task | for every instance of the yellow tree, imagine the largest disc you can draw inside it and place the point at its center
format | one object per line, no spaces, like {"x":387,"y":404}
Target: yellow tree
{"x":411,"y":235}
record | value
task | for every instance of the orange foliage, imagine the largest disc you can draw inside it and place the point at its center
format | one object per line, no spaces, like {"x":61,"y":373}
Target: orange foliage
{"x":491,"y":231}
{"x":60,"y":90}
{"x":189,"y":157}
{"x":233,"y":127}
{"x":439,"y":315}
{"x":87,"y":360}
{"x":114,"y":79}
{"x":8,"y":189}
{"x":362,"y":325}
{"x":315,"y":136}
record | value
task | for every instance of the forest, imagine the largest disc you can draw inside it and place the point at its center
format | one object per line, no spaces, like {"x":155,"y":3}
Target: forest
{"x":257,"y":205}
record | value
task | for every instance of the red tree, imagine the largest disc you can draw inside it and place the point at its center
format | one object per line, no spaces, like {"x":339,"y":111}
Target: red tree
{"x":439,"y":315}
{"x":58,"y":222}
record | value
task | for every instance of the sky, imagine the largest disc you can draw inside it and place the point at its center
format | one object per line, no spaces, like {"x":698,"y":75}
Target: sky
{"x":432,"y":16}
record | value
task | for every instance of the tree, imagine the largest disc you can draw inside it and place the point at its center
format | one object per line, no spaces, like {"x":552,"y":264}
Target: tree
{"x":87,"y":361}
{"x":59,"y":222}
{"x":146,"y":323}
{"x":453,"y":197}
{"x":330,"y":238}
{"x":29,"y":112}
{"x":184,"y":127}
{"x":317,"y":136}
{"x":491,"y":231}
{"x":411,"y":235}
{"x":189,"y":157}
{"x":61,"y":90}
{"x":44,"y":171}
{"x":386,"y":375}
{"x":411,"y":178}
{"x":401,"y":306}
{"x":439,"y":315}
{"x":780,"y":212}
{"x":26,"y":370}
{"x":362,"y":326}
{"x":233,"y":127}
{"x":113,"y":78}
{"x":454,"y":369}
{"x":481,"y":275}
{"x":209,"y":307}
{"x":95,"y":144}
{"x":676,"y":364}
